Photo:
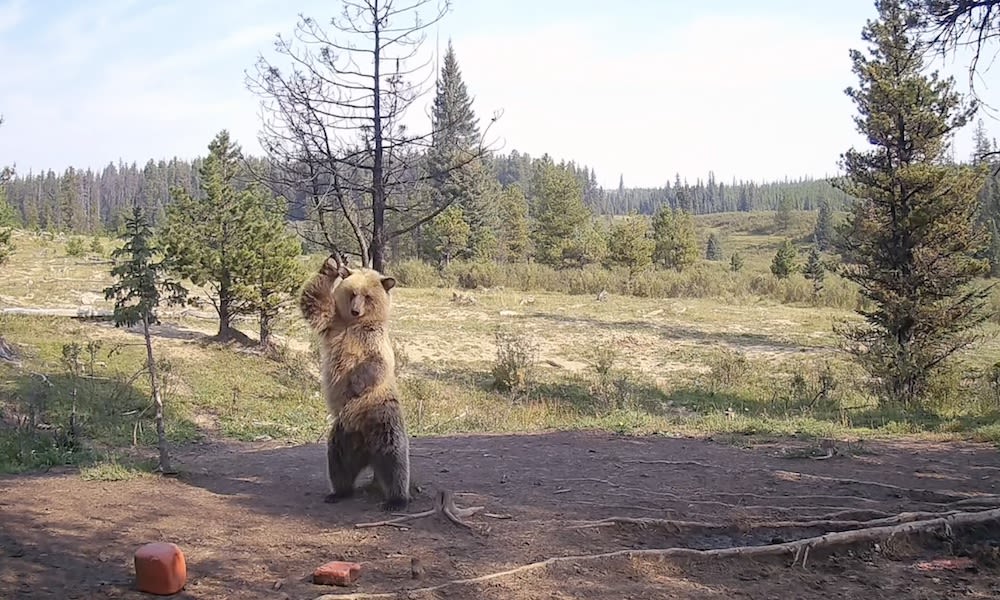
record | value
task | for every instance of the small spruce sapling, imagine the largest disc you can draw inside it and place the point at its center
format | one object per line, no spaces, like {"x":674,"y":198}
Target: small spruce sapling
{"x":140,"y":286}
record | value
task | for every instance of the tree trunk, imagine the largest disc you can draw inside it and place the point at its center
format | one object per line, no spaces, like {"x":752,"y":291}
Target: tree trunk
{"x":265,"y":330}
{"x":377,"y":249}
{"x":161,"y":436}
{"x":225,"y":316}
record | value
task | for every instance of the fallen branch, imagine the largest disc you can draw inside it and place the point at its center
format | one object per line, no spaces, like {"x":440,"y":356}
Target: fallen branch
{"x":444,"y":504}
{"x":799,"y":549}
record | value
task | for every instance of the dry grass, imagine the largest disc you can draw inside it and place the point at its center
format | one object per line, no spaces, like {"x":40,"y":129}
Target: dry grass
{"x":638,"y":365}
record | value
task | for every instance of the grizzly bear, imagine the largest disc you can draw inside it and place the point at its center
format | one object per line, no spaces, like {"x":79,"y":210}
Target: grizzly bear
{"x":349,"y":311}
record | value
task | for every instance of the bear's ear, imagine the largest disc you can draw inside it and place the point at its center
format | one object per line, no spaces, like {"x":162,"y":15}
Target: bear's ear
{"x":344,"y":272}
{"x":388,"y":283}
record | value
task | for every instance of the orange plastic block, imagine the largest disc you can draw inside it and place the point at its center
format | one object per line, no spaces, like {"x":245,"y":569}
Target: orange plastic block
{"x":160,"y":569}
{"x":337,"y":573}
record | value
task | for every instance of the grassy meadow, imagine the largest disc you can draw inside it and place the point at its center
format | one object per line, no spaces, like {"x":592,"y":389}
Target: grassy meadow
{"x":738,"y":355}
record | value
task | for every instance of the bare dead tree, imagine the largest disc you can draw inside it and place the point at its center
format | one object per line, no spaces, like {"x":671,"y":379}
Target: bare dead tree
{"x":953,"y":24}
{"x":333,"y":125}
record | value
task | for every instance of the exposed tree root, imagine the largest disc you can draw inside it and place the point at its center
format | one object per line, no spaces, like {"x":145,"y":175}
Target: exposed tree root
{"x":827,"y":524}
{"x":725,"y":505}
{"x":444,"y":504}
{"x":918,"y":494}
{"x":799,"y":549}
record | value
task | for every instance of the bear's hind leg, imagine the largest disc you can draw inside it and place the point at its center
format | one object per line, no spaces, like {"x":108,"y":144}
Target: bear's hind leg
{"x":344,"y":461}
{"x":391,"y":468}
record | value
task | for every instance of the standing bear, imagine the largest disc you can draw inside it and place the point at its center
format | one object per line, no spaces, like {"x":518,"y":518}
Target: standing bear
{"x":348,"y":309}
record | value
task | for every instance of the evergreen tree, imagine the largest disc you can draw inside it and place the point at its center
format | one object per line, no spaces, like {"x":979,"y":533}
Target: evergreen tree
{"x":209,"y":238}
{"x":713,"y":249}
{"x":989,"y":196}
{"x":823,"y":232}
{"x":630,"y":244}
{"x":910,"y":241}
{"x":588,"y":245}
{"x":814,"y":270}
{"x":140,"y":285}
{"x":7,"y":218}
{"x":559,"y":212}
{"x":455,"y":125}
{"x":459,"y":177}
{"x":783,"y":216}
{"x":7,"y":222}
{"x":481,"y":209}
{"x":783,"y":263}
{"x":675,"y":239}
{"x":448,"y":235}
{"x":273,"y":273}
{"x":514,"y":226}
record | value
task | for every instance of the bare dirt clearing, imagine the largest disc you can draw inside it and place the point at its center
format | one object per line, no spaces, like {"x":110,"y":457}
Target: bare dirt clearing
{"x":251,"y":520}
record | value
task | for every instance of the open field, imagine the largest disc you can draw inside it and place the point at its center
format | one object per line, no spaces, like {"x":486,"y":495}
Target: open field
{"x":738,"y":392}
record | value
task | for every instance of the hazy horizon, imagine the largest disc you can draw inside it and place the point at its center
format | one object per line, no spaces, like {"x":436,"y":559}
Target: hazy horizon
{"x":662,"y":88}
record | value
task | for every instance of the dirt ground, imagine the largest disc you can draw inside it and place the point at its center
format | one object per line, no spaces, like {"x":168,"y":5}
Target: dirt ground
{"x":251,"y":521}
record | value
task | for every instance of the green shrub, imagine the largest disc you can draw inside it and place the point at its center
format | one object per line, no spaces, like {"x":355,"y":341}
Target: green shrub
{"x":74,"y":247}
{"x":516,"y":356}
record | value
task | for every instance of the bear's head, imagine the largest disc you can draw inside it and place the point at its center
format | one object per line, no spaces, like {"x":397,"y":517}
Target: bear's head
{"x":363,"y":295}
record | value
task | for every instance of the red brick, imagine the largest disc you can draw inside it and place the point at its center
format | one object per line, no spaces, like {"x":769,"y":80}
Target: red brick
{"x":160,"y":569}
{"x":337,"y":573}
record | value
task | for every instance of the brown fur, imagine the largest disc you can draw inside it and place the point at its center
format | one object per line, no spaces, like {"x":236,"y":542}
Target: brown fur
{"x":370,"y":431}
{"x":349,"y":311}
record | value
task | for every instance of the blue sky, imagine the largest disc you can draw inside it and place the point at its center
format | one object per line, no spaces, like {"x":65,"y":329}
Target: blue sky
{"x":643,"y":88}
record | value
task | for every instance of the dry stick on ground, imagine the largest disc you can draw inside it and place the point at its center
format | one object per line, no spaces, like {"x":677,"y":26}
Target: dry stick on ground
{"x":444,"y":504}
{"x":799,"y":549}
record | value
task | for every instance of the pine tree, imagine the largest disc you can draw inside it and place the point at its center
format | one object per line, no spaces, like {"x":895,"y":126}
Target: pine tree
{"x":455,"y":125}
{"x":910,"y":241}
{"x":458,"y":177}
{"x":630,"y":244}
{"x":481,"y":209}
{"x":448,"y":236}
{"x":209,"y":238}
{"x":559,"y":212}
{"x":675,"y":239}
{"x":713,"y":249}
{"x":140,"y":286}
{"x":514,"y":227}
{"x":271,"y":274}
{"x":588,"y":245}
{"x":783,"y":216}
{"x":989,"y":196}
{"x":7,"y":222}
{"x":814,"y":270}
{"x":783,"y":263}
{"x":823,"y":232}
